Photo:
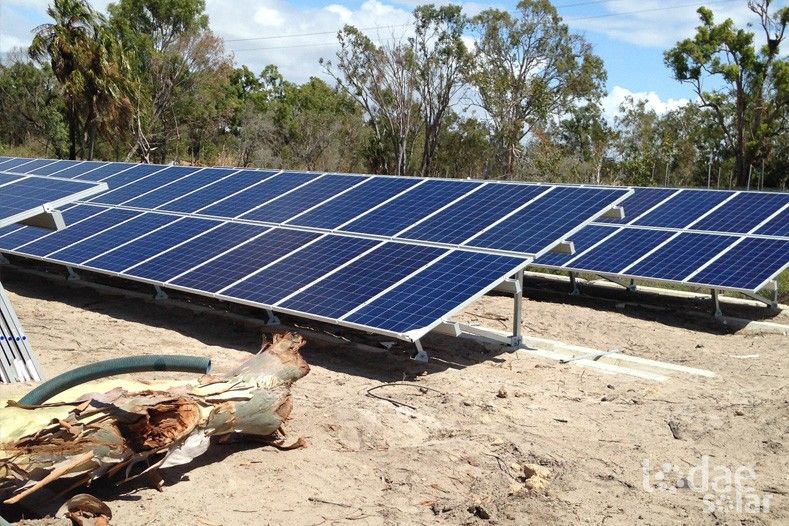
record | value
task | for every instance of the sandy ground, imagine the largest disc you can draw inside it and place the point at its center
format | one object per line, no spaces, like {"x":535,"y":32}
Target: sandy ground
{"x":457,"y":456}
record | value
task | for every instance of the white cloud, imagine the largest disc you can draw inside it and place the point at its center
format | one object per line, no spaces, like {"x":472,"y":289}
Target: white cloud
{"x":655,"y":23}
{"x":618,"y":94}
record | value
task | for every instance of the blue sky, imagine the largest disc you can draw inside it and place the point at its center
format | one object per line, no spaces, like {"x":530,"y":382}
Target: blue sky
{"x":630,"y":35}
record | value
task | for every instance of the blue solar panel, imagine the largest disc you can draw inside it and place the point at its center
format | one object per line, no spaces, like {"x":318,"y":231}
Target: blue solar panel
{"x":682,"y":255}
{"x":620,"y":250}
{"x":114,"y":173}
{"x":747,"y":266}
{"x":33,"y":165}
{"x":6,"y":178}
{"x":14,"y":235}
{"x":76,"y":232}
{"x":683,"y":209}
{"x":582,"y":240}
{"x":122,"y":177}
{"x":547,"y":219}
{"x":24,"y":195}
{"x":152,"y":244}
{"x":53,"y":168}
{"x":178,"y":260}
{"x":743,"y":212}
{"x":269,"y":189}
{"x":155,"y":180}
{"x":436,"y":291}
{"x":243,"y":261}
{"x":179,"y":188}
{"x":80,"y":169}
{"x":777,"y":226}
{"x":473,"y":213}
{"x":216,"y":192}
{"x":642,"y":200}
{"x":344,"y":290}
{"x":404,"y":211}
{"x":354,"y":202}
{"x":286,"y":206}
{"x":110,"y":238}
{"x":12,"y":165}
{"x":299,"y":270}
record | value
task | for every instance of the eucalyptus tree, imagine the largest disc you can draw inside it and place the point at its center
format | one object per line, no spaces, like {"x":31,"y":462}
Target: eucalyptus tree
{"x":744,"y":85}
{"x":528,"y":68}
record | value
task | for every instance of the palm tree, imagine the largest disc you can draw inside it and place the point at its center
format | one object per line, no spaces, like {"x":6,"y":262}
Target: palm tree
{"x":89,"y":63}
{"x":66,"y":42}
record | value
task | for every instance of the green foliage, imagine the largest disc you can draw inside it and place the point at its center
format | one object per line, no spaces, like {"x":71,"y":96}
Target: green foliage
{"x":749,"y":97}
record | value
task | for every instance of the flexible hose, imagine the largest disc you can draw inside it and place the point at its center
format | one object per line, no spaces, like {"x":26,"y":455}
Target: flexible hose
{"x":131,"y":364}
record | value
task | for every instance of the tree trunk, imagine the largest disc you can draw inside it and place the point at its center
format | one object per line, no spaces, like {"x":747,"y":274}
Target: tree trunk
{"x":110,"y":432}
{"x":73,"y":132}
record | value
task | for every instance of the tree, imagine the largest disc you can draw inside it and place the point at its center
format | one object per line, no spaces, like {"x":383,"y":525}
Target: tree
{"x":749,"y":97}
{"x":31,"y":104}
{"x":441,"y":60}
{"x":182,"y":75}
{"x":383,"y":79}
{"x":527,"y":69}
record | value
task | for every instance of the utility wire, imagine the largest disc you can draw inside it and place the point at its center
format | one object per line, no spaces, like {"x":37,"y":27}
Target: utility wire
{"x":574,"y":19}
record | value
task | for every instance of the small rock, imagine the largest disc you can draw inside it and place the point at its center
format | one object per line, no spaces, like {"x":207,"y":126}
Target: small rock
{"x":479,"y":511}
{"x":532,"y":470}
{"x":517,"y":468}
{"x":468,"y":403}
{"x":440,"y":507}
{"x":699,"y":346}
{"x":739,"y":412}
{"x":502,"y":392}
{"x":610,"y":386}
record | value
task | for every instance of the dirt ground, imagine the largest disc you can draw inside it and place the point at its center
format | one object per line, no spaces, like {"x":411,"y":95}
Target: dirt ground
{"x":457,"y":455}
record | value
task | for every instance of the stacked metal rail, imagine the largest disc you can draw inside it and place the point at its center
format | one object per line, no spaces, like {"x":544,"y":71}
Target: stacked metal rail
{"x":17,"y":363}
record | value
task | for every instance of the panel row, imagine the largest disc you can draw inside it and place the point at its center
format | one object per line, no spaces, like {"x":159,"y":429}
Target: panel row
{"x":762,"y":213}
{"x":519,"y":219}
{"x":713,"y":260}
{"x":387,"y":286}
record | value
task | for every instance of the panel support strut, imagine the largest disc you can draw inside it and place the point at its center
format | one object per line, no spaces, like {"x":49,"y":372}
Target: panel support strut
{"x":419,"y":354}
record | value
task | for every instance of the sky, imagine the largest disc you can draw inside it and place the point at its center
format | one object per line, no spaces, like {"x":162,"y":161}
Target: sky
{"x":629,"y":35}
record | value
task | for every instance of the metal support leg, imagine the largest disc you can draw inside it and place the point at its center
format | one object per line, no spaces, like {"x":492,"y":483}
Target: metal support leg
{"x":419,"y":354}
{"x":160,"y":293}
{"x":574,"y":290}
{"x":717,"y":312}
{"x":271,"y":318}
{"x":632,"y":286}
{"x":517,"y":338}
{"x":71,"y":274}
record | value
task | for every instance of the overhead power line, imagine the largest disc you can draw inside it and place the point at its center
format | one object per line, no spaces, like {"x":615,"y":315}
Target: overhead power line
{"x":574,"y":19}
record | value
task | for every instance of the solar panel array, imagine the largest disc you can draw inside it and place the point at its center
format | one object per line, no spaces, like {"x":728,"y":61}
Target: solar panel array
{"x":25,"y":196}
{"x":726,"y":240}
{"x":392,"y":255}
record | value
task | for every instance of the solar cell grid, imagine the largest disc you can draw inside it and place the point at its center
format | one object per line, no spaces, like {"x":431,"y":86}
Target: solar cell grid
{"x":303,"y":198}
{"x":746,"y":265}
{"x":642,"y":200}
{"x":21,"y":195}
{"x":178,"y":188}
{"x":53,"y":168}
{"x":236,"y":264}
{"x":244,"y":201}
{"x":778,"y":226}
{"x":351,"y":204}
{"x":179,"y":259}
{"x":127,"y":255}
{"x":540,"y":224}
{"x":681,"y":256}
{"x":682,"y":209}
{"x":82,"y":170}
{"x":620,"y":250}
{"x":350,"y":286}
{"x":110,"y":238}
{"x":473,"y":213}
{"x":115,"y":173}
{"x":12,"y":164}
{"x":215,"y":192}
{"x":33,"y":165}
{"x":582,"y":240}
{"x":122,"y":194}
{"x":743,"y":212}
{"x":438,"y":289}
{"x":409,"y":208}
{"x":299,"y":270}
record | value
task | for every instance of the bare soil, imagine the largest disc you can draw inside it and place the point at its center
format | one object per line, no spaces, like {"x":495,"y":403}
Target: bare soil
{"x":454,"y":452}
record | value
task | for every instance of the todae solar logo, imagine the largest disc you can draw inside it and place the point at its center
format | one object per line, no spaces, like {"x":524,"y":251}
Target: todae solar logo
{"x":723,"y":489}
